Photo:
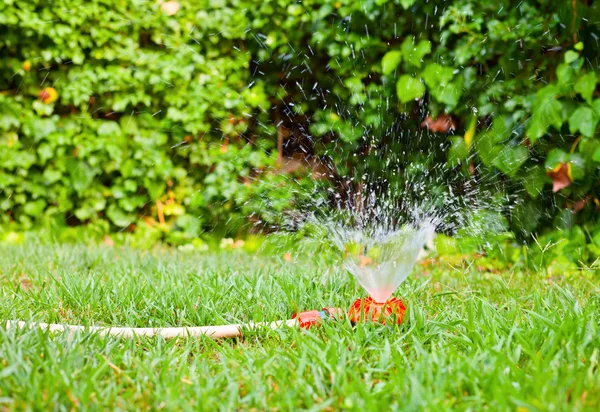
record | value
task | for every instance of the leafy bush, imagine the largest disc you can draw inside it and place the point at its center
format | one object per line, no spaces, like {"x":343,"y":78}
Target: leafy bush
{"x":179,"y":111}
{"x":116,"y":110}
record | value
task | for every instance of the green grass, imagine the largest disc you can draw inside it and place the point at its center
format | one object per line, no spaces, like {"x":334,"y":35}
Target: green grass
{"x":472,"y":340}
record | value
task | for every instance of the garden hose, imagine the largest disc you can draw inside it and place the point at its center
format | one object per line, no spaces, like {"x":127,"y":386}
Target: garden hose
{"x":361,"y":311}
{"x":303,"y":320}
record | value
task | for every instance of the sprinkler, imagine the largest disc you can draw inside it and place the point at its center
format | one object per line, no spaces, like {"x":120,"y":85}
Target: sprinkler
{"x":369,"y":310}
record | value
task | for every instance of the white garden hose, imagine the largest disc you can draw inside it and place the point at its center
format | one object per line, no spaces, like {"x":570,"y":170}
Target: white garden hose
{"x":221,"y":331}
{"x":303,"y":320}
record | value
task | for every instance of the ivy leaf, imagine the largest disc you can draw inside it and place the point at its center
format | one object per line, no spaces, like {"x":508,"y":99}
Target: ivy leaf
{"x":577,"y":166}
{"x":390,"y":61}
{"x":117,"y":216}
{"x":109,"y":128}
{"x":436,"y":75}
{"x":547,"y":111}
{"x":449,"y":94}
{"x":409,"y":88}
{"x":534,"y":180}
{"x":458,"y":152}
{"x":596,"y":107}
{"x":407,"y":3}
{"x":596,"y":156}
{"x":571,"y":56}
{"x":583,"y":119}
{"x":555,"y":157}
{"x":81,"y":175}
{"x":413,"y":54}
{"x":510,"y":159}
{"x":526,"y":216}
{"x":35,"y":208}
{"x":586,"y":85}
{"x":565,"y":75}
{"x":486,"y":149}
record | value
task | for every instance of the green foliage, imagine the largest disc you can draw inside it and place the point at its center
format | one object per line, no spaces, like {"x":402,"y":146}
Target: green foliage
{"x":181,"y":112}
{"x":151,"y":110}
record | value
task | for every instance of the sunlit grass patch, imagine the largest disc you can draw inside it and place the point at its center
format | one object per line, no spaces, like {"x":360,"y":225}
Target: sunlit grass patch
{"x":470,"y":339}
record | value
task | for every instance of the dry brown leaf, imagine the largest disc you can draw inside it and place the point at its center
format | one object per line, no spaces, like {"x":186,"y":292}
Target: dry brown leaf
{"x":25,"y":283}
{"x":48,"y":95}
{"x":560,"y":177}
{"x":442,"y":124}
{"x":580,"y":204}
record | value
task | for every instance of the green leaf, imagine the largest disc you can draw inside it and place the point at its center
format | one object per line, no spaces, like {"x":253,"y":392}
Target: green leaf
{"x":526,"y":216}
{"x":413,"y":54}
{"x":586,"y":85}
{"x":458,"y":151}
{"x":449,"y":94}
{"x":155,"y":189}
{"x":566,"y":77}
{"x":117,"y":216}
{"x":534,"y":180}
{"x":596,"y":107}
{"x":35,"y":208}
{"x":510,"y":159}
{"x":547,"y":111}
{"x":577,"y":166}
{"x":555,"y":157}
{"x":81,"y":175}
{"x":256,"y":96}
{"x":109,"y":128}
{"x":409,"y":88}
{"x":571,"y":56}
{"x":583,"y":119}
{"x":390,"y":61}
{"x":596,"y":156}
{"x":407,"y":3}
{"x":436,"y":75}
{"x":486,"y":149}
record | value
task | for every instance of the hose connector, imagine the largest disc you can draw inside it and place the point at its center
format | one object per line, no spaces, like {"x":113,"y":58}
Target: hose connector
{"x":315,"y":317}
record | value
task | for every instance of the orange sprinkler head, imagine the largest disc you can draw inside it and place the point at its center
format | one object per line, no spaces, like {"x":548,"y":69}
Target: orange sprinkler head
{"x":366,"y":309}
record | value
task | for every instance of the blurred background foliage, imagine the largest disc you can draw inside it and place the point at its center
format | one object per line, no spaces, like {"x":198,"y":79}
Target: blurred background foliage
{"x":180,"y":118}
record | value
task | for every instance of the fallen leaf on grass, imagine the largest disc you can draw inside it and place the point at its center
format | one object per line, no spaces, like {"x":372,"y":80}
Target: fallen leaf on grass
{"x":25,"y":283}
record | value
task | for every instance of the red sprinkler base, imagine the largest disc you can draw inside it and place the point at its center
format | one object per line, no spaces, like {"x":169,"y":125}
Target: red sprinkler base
{"x":366,"y":309}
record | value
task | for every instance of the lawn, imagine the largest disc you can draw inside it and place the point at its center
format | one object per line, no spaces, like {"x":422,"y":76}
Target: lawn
{"x":471,"y":340}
